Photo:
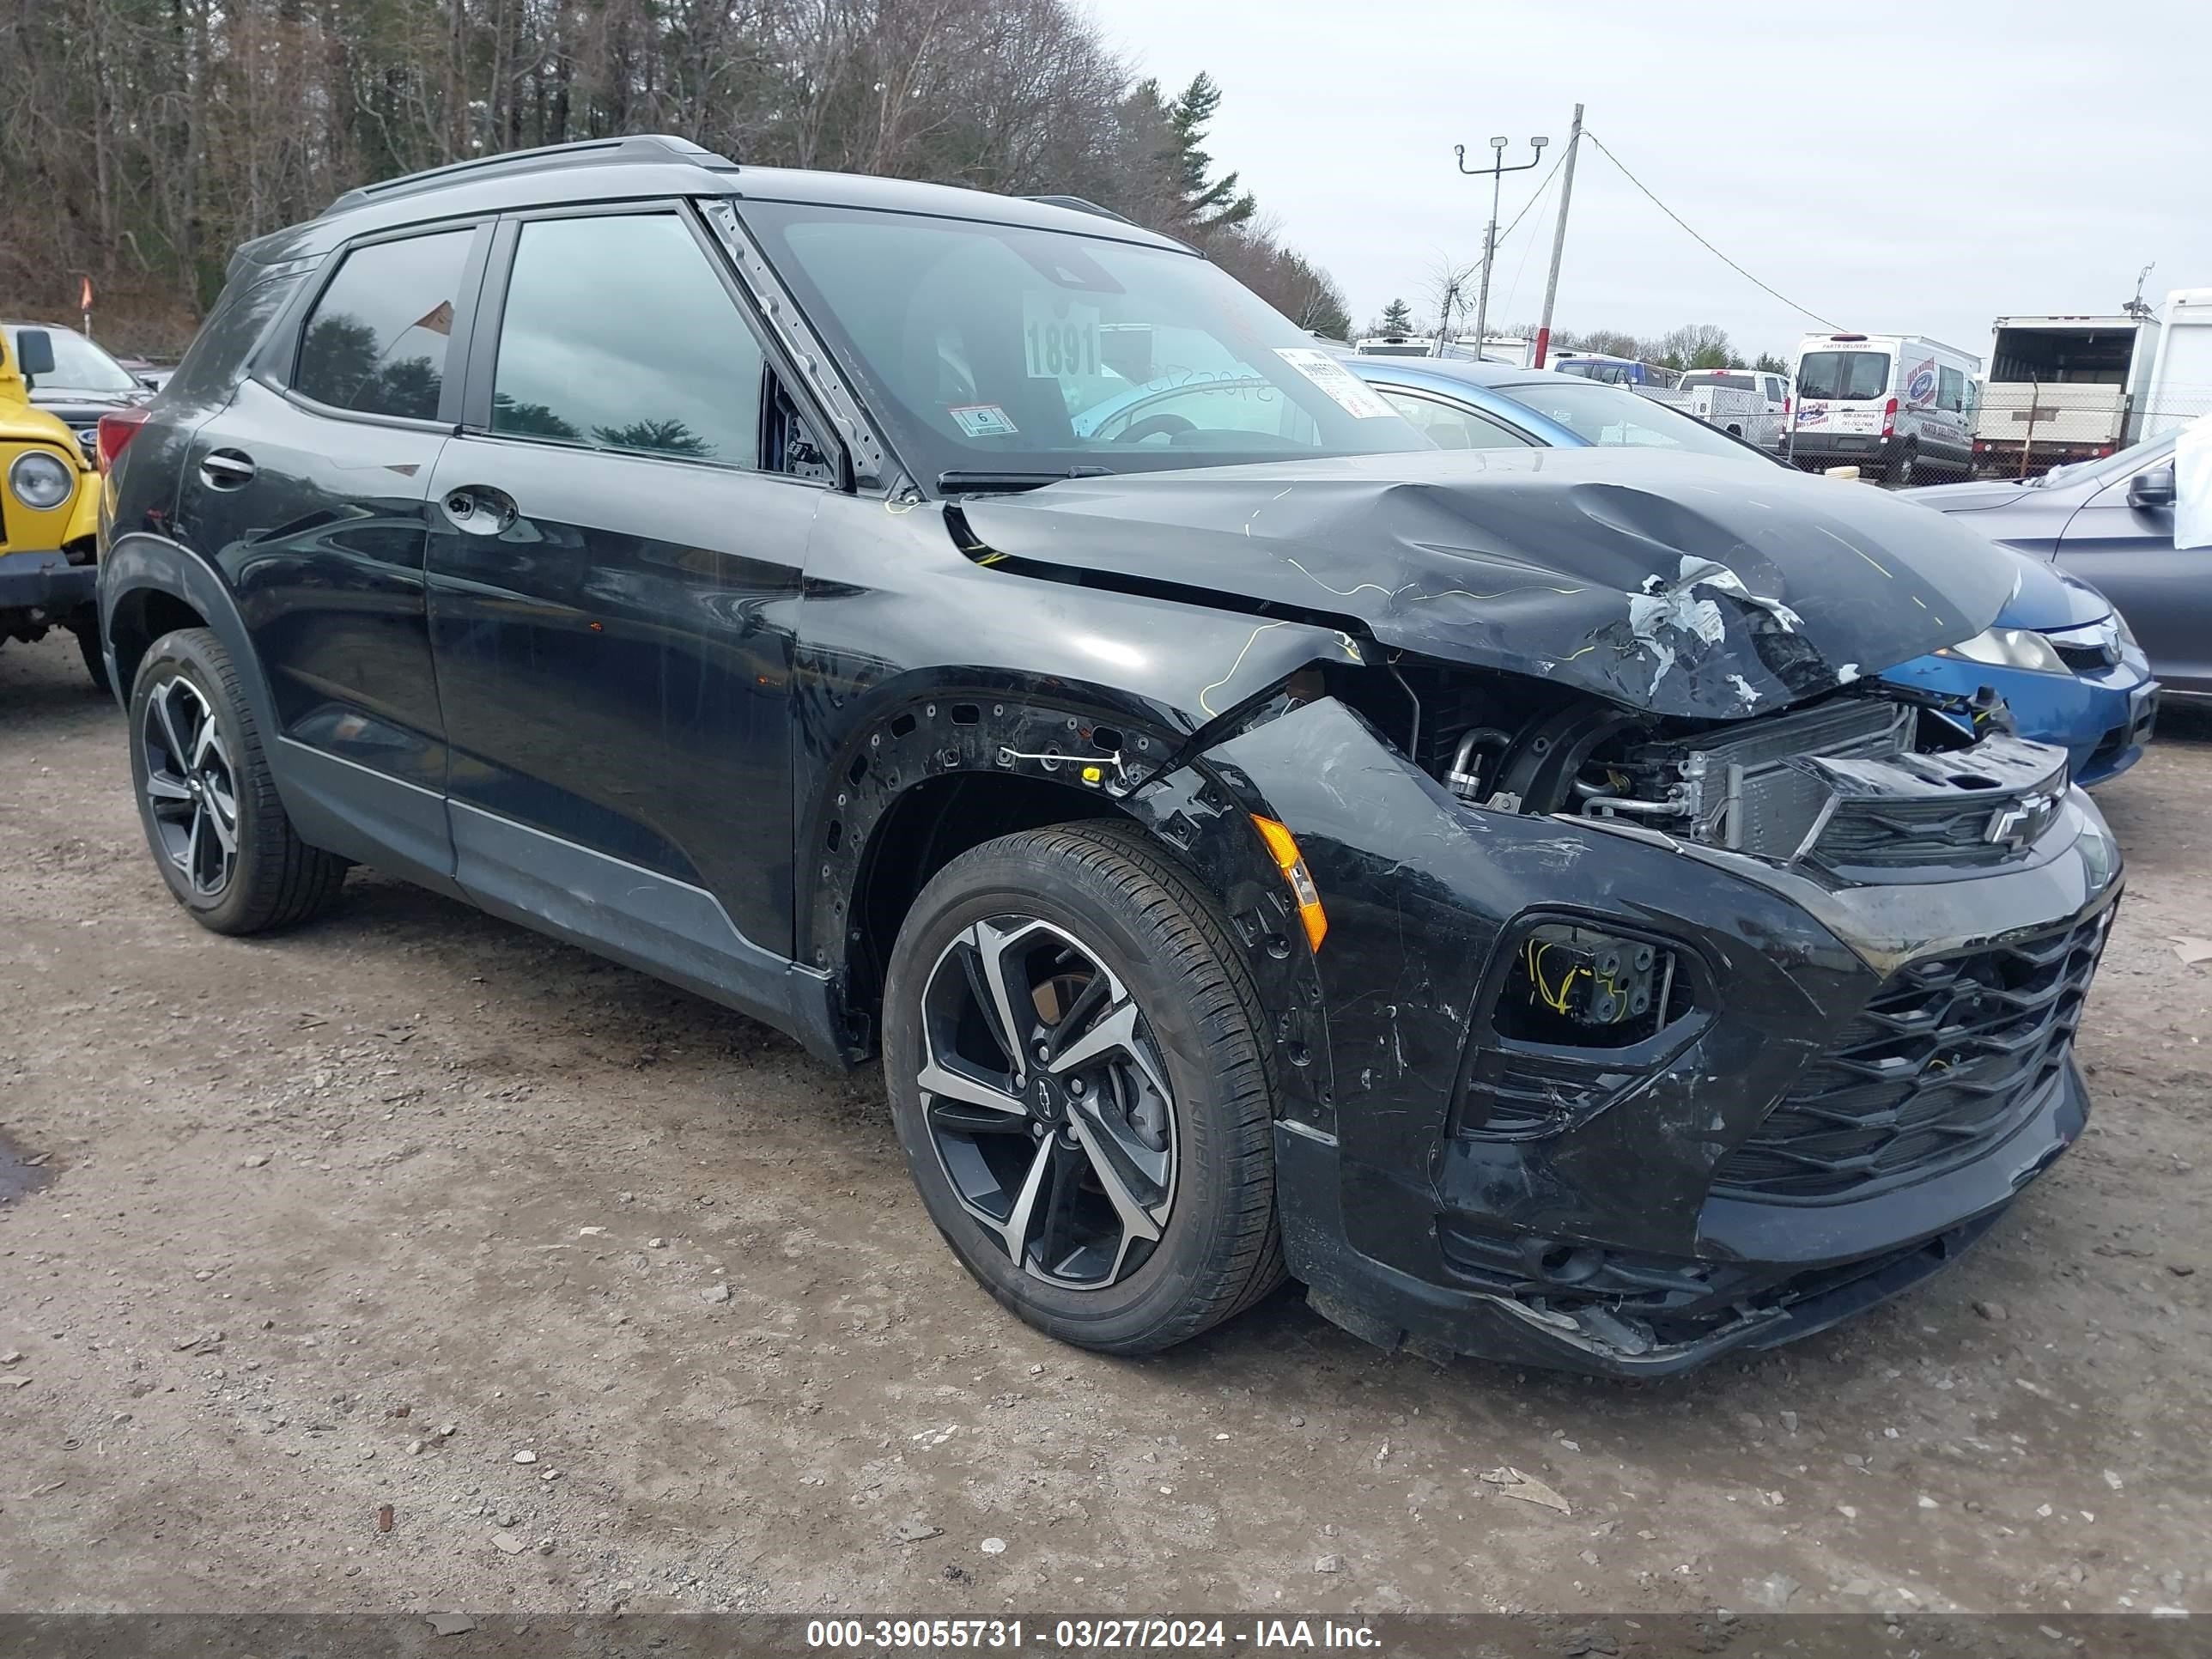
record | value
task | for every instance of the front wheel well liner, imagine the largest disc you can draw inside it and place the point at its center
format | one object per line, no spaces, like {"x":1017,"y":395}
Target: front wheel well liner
{"x":925,"y":828}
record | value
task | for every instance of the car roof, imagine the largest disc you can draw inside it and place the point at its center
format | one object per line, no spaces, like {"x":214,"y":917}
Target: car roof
{"x":657,"y":166}
{"x":1463,"y":370}
{"x":1478,"y":389}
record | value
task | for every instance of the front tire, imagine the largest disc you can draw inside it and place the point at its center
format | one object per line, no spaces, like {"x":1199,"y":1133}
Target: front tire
{"x":218,"y":831}
{"x":1072,"y":1052}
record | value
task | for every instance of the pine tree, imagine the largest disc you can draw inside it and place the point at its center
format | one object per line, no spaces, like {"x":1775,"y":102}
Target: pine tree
{"x":1210,"y":204}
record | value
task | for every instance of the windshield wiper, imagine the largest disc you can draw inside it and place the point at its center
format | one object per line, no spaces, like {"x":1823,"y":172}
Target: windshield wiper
{"x":963,"y":481}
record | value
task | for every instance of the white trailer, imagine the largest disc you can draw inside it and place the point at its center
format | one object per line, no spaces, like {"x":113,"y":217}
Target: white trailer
{"x":1740,"y":414}
{"x":2062,"y":389}
{"x":2180,"y":385}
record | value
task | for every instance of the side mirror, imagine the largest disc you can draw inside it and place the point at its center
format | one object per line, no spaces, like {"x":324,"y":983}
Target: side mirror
{"x":2152,"y":488}
{"x":34,"y":352}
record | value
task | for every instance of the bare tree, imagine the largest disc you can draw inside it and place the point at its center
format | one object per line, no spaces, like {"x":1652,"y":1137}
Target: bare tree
{"x":143,"y":140}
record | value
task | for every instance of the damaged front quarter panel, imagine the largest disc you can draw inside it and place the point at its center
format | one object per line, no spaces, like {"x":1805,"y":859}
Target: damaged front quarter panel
{"x":1671,"y":585}
{"x":1550,"y":1231}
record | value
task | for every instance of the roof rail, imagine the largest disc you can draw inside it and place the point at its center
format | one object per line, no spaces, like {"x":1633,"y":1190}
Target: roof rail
{"x":1078,"y":204}
{"x":661,"y":147}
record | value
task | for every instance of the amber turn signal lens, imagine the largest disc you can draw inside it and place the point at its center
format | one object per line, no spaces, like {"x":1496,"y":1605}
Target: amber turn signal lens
{"x":1283,"y":847}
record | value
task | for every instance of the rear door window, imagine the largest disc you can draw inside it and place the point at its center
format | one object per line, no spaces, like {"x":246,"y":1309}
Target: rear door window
{"x":1844,"y":375}
{"x":1454,"y":426}
{"x":617,"y":334}
{"x":376,"y":341}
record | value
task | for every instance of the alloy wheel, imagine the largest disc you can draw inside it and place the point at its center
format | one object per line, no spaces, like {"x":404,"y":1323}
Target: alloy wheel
{"x":1047,"y":1102}
{"x":190,"y":787}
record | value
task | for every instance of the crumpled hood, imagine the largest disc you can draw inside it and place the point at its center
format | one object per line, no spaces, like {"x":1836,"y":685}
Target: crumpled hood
{"x":2048,"y":600}
{"x":1680,"y":584}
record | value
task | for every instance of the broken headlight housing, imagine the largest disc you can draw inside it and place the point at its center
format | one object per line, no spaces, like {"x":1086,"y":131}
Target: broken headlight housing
{"x":2009,"y":647}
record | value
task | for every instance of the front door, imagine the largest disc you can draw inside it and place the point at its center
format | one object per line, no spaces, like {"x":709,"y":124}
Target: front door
{"x":614,"y":579}
{"x":2127,"y":553}
{"x":308,"y":491}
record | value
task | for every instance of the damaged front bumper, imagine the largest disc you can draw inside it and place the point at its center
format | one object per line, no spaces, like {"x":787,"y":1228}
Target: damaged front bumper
{"x":1849,"y":1079}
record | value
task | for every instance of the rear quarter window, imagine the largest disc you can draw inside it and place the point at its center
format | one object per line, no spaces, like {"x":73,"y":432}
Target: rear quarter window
{"x":216,"y":360}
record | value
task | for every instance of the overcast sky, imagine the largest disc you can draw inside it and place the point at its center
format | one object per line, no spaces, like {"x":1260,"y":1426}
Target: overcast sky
{"x":1915,"y":169}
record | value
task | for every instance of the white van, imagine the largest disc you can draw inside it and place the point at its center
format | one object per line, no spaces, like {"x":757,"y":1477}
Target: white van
{"x":1899,"y":404}
{"x":1769,"y":387}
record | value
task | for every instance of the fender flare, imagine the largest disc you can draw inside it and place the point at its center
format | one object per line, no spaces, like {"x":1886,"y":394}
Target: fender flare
{"x":1199,"y":814}
{"x":140,"y":561}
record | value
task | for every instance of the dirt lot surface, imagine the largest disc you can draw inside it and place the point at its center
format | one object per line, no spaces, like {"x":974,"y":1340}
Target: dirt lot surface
{"x":604,"y":1298}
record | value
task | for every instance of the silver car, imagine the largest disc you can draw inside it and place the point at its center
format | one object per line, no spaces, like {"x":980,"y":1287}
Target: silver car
{"x":2110,"y":523}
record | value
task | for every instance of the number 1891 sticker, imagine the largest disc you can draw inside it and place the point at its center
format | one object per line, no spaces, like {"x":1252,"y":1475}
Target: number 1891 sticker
{"x":1059,"y":337}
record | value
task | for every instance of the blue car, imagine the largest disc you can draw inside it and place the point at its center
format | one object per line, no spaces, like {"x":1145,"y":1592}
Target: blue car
{"x":2059,"y":655}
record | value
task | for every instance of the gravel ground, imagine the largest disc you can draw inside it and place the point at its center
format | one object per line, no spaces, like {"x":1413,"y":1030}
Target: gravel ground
{"x":411,"y":1261}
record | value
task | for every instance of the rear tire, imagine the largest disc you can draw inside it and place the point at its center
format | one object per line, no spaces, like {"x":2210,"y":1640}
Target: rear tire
{"x":1033,"y":924}
{"x":218,"y":831}
{"x":1903,"y":472}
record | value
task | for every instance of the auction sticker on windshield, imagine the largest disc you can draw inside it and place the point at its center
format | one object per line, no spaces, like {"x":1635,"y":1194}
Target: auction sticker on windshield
{"x":1346,"y":390}
{"x":1059,"y":337}
{"x":983,"y":421}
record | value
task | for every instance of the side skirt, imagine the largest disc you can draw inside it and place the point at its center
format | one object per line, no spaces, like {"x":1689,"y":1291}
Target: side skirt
{"x":639,"y":918}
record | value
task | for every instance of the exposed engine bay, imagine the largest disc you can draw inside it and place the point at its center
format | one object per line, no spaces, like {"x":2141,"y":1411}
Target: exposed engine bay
{"x":1869,"y":779}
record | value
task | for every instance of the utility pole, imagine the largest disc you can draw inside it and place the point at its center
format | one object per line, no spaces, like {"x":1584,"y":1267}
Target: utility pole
{"x":1444,"y":322}
{"x":1559,"y":239}
{"x":1497,"y":170}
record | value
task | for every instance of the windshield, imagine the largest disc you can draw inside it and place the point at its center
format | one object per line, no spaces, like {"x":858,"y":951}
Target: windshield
{"x":80,"y":366}
{"x":1732,"y":382}
{"x":1614,"y":417}
{"x":1832,"y":375}
{"x":994,"y":350}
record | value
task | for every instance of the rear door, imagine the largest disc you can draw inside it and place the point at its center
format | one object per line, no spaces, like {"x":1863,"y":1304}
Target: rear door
{"x":2127,"y":553}
{"x":1842,"y":391}
{"x":308,"y":490}
{"x":618,"y":538}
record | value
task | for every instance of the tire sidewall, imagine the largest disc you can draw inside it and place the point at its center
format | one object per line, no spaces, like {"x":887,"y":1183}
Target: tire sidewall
{"x":998,"y":880}
{"x":182,"y":655}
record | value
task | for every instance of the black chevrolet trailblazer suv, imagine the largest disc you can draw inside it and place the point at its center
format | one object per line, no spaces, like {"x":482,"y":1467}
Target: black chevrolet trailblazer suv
{"x":1484,"y":886}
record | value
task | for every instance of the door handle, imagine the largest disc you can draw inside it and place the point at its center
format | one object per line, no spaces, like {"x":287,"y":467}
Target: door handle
{"x":478,"y":509}
{"x":225,"y":469}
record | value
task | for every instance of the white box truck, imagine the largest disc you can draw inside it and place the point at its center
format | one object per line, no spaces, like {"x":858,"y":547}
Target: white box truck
{"x":2062,"y":389}
{"x":1898,"y":405}
{"x":2180,"y":385}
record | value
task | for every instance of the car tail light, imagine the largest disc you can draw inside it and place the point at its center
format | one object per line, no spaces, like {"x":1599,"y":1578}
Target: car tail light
{"x":1889,"y":419}
{"x":116,"y":432}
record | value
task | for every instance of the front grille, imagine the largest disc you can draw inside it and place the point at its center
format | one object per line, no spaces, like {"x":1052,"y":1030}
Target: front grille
{"x":2085,"y":659}
{"x":1899,"y":834}
{"x":1944,"y":1063}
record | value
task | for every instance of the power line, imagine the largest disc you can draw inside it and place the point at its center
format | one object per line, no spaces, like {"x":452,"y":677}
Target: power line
{"x":1531,"y":248}
{"x":1515,"y":225}
{"x":1533,"y":200}
{"x":1701,"y":241}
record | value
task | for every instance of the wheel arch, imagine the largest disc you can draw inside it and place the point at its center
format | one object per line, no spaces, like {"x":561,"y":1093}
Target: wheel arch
{"x":923,"y":782}
{"x":150,"y":586}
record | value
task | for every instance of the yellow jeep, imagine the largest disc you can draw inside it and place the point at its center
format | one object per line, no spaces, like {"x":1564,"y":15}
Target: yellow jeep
{"x":49,"y":510}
